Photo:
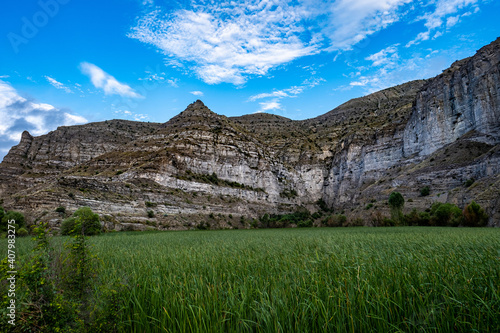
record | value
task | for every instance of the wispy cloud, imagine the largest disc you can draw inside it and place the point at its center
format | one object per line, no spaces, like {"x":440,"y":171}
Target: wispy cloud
{"x":110,"y":85}
{"x":386,"y":56}
{"x":4,"y":76}
{"x":197,"y":93}
{"x":442,"y":14}
{"x":230,"y":40}
{"x":132,"y":115}
{"x":58,"y":84}
{"x":19,"y":114}
{"x":276,"y":96}
{"x":269,"y":106}
{"x":351,"y":21}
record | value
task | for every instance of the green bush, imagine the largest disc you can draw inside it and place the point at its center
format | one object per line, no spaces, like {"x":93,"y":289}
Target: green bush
{"x":469,"y":182}
{"x":474,"y":215}
{"x":425,"y":191}
{"x":21,"y":232}
{"x":151,"y":214}
{"x":336,"y":220}
{"x":445,"y":214}
{"x":61,"y":209}
{"x":12,"y":215}
{"x":305,"y":224}
{"x":89,"y":220}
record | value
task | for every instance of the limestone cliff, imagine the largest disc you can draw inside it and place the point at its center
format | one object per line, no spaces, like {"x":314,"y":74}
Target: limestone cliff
{"x":201,"y":168}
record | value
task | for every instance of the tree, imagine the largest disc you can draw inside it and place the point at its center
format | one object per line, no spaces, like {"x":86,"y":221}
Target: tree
{"x":84,"y":218}
{"x":474,"y":215}
{"x":396,"y":202}
{"x":445,"y":214}
{"x":12,"y":215}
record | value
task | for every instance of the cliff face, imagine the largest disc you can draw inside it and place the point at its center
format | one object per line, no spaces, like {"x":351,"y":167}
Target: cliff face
{"x":464,"y":97}
{"x":200,"y":167}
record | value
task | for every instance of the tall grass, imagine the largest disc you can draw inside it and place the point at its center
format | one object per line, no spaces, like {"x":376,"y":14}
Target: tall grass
{"x":306,"y":280}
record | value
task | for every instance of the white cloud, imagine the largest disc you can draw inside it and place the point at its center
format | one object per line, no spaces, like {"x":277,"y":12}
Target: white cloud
{"x":231,"y":41}
{"x":288,"y":92}
{"x":269,"y":105}
{"x":132,"y":115}
{"x":197,"y":93}
{"x":19,"y":114}
{"x":58,"y":84}
{"x":389,"y":55}
{"x":110,"y":85}
{"x":438,"y":17}
{"x":228,"y":41}
{"x":277,"y":95}
{"x":351,"y":21}
{"x":4,"y":76}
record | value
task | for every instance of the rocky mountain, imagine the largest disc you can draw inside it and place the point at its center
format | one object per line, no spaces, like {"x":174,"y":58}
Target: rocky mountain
{"x":201,"y":168}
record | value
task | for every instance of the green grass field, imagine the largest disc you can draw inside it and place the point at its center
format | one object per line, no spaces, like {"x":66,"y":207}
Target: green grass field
{"x":410,"y":279}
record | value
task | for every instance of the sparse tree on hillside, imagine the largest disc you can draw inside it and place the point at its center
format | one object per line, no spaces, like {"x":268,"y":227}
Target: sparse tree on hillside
{"x":396,"y":202}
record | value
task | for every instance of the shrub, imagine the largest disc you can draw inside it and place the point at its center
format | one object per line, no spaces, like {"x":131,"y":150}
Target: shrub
{"x":21,"y":232}
{"x":425,"y":191}
{"x":469,"y":182}
{"x":322,"y":205}
{"x":445,"y":214}
{"x":83,"y":217}
{"x":61,"y":209}
{"x":316,"y":215}
{"x":305,"y":224}
{"x":150,"y":204}
{"x":335,"y":220}
{"x":370,"y":205}
{"x":12,"y":215}
{"x":474,"y":215}
{"x":151,"y":214}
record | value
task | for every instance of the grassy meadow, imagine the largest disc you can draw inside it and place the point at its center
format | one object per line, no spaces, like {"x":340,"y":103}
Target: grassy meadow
{"x":405,"y":279}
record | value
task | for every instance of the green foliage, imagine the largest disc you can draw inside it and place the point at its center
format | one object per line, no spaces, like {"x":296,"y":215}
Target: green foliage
{"x":469,"y":182}
{"x":317,"y":215}
{"x":61,"y":209}
{"x":370,"y":205}
{"x":474,"y":215}
{"x":407,"y":279}
{"x":337,"y":220}
{"x":322,"y":205}
{"x":46,"y":310}
{"x":12,"y":215}
{"x":22,"y":232}
{"x":2,"y":213}
{"x":151,"y":214}
{"x":396,"y":202}
{"x":150,"y":204}
{"x":425,"y":191}
{"x":305,"y":223}
{"x":445,"y":214}
{"x":83,"y":217}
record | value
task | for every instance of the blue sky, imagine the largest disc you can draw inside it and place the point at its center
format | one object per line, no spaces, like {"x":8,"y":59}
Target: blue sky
{"x":66,"y":62}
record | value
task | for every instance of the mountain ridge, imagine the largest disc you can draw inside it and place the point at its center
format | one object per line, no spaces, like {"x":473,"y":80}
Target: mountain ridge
{"x":201,"y":164}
